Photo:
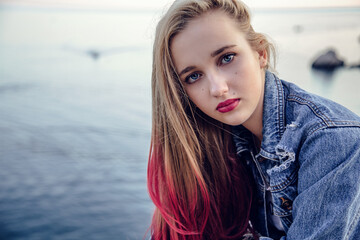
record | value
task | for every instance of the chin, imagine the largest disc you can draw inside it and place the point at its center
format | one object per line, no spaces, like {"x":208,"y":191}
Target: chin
{"x":233,"y":122}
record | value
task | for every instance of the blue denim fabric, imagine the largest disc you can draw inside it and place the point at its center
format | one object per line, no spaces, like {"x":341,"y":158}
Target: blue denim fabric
{"x":309,"y":164}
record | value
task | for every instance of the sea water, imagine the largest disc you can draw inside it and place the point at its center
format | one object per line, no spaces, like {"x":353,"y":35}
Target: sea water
{"x":75,"y":110}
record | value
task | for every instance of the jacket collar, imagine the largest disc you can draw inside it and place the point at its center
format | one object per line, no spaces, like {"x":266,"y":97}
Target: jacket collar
{"x":273,"y":121}
{"x":273,"y":115}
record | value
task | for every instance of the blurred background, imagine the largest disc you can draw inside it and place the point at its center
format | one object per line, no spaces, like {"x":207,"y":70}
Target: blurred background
{"x":75,"y":104}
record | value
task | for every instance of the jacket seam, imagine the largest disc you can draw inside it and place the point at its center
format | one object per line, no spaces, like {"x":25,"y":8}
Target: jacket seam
{"x":317,"y":128}
{"x":289,"y":180}
{"x":312,"y":106}
{"x":326,"y":122}
{"x":355,"y":221}
{"x":281,"y":102}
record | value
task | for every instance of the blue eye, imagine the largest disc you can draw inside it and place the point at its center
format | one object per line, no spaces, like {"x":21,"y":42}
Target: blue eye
{"x":192,"y":77}
{"x":227,"y":58}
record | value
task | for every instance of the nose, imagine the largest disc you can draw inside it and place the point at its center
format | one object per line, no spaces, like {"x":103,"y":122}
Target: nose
{"x":218,"y":85}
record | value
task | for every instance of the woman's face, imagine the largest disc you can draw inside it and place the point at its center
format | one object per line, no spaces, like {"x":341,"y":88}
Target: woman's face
{"x":221,"y":73}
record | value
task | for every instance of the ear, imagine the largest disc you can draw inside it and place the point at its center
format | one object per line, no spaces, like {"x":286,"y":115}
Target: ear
{"x":263,"y":58}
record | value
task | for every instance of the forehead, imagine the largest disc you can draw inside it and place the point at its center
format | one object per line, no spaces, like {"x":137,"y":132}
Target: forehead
{"x":205,"y":34}
{"x":214,"y":23}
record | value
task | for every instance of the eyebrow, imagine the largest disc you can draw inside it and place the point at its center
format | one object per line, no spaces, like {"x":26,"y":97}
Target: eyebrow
{"x":213,"y":54}
{"x":187,"y":69}
{"x":220,"y":50}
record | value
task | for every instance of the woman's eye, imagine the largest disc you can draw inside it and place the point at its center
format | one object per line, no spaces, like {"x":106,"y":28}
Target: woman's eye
{"x":227,"y":58}
{"x":192,"y":77}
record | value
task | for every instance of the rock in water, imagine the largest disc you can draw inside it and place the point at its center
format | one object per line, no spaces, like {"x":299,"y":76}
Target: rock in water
{"x":327,"y":61}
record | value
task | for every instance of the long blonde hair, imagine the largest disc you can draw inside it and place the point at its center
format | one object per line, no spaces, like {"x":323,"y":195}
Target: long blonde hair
{"x":194,"y":179}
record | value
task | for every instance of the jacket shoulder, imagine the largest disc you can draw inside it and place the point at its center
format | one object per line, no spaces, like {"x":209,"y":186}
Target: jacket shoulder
{"x":314,"y":112}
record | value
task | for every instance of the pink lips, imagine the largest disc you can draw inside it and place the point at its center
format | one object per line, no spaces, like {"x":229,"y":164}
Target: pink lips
{"x":227,"y":105}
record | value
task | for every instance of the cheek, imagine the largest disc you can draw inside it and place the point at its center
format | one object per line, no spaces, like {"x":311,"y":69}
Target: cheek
{"x":194,"y":93}
{"x":196,"y":90}
{"x":236,"y":82}
{"x":199,"y":97}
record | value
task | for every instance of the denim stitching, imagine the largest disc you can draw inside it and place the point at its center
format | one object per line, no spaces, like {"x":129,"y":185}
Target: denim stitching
{"x":289,"y":180}
{"x":281,"y":105}
{"x":345,"y":122}
{"x":317,"y":128}
{"x":312,"y":106}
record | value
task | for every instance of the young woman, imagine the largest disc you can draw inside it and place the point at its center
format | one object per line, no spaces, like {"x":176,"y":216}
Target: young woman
{"x":235,"y":151}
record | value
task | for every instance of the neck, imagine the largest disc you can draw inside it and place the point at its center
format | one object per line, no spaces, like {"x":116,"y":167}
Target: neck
{"x":255,"y":123}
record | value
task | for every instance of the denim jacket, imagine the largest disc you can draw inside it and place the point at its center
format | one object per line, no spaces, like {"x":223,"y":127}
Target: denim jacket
{"x":307,"y":171}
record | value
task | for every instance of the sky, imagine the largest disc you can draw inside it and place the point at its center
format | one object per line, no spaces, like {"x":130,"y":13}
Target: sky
{"x":160,"y":4}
